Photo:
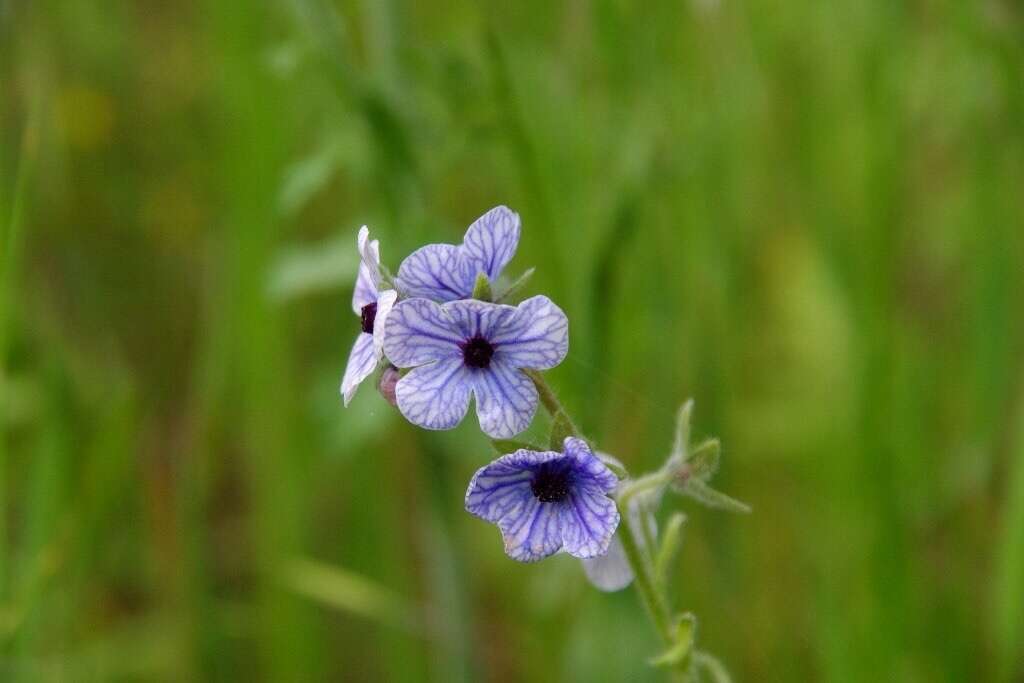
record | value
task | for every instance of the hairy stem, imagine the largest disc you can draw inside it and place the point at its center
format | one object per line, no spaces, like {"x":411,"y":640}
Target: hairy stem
{"x":652,"y":598}
{"x":549,"y":399}
{"x":649,"y":590}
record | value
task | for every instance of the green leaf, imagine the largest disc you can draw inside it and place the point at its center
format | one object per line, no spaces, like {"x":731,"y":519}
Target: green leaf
{"x":561,"y":428}
{"x":349,"y":592}
{"x":705,"y":495}
{"x":704,"y":460}
{"x":515,"y":287}
{"x":504,"y":446}
{"x":482,"y":288}
{"x":670,"y":541}
{"x":682,"y":438}
{"x":306,"y":178}
{"x":682,"y":643}
{"x":309,"y":269}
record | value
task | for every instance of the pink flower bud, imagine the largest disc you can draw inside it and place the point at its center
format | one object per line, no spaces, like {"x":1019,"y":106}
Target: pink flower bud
{"x":388,"y":380}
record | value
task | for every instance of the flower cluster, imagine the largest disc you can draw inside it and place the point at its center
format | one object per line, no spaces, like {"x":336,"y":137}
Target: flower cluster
{"x":433,"y":322}
{"x":445,"y":340}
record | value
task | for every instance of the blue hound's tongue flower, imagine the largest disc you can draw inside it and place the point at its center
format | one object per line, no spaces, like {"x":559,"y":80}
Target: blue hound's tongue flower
{"x":543,"y":502}
{"x":470,"y":347}
{"x":446,"y":272}
{"x":372,"y":306}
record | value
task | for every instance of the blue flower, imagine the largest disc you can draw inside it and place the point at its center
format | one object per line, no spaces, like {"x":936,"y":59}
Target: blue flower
{"x":543,"y":502}
{"x":445,"y":272}
{"x":372,"y":306}
{"x":471,"y":347}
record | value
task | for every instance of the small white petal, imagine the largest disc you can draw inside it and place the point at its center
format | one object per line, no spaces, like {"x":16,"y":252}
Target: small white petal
{"x":385,"y":302}
{"x":361,"y":362}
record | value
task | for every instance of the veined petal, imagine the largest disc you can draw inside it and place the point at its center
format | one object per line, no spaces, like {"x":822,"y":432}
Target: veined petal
{"x":589,"y":520}
{"x":611,"y":572}
{"x":369,"y":253}
{"x":436,"y":272}
{"x":385,"y":302}
{"x":588,"y":466}
{"x":491,"y":241}
{"x":365,"y":292}
{"x":368,"y":278}
{"x":506,"y":400}
{"x":535,"y":514}
{"x":418,"y":331}
{"x":478,"y":318}
{"x":434,"y":396}
{"x":535,"y":336}
{"x":361,"y":362}
{"x":534,"y":533}
{"x":496,"y":490}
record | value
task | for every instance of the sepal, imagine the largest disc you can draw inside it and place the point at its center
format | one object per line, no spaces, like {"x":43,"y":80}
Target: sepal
{"x":705,"y":495}
{"x":482,"y":288}
{"x":513,"y":289}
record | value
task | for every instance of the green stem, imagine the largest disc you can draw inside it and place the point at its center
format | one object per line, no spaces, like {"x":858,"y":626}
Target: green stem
{"x":652,"y":598}
{"x":549,"y":399}
{"x":648,"y":589}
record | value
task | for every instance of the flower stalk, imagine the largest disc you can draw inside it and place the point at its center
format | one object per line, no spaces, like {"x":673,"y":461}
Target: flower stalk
{"x":650,"y":590}
{"x":447,"y":338}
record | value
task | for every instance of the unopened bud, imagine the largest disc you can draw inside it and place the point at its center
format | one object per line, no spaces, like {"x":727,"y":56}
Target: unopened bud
{"x":387,"y":383}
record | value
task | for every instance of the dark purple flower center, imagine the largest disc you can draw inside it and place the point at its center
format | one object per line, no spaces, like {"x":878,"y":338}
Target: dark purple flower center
{"x":368,"y":315}
{"x":551,"y":482}
{"x":477,"y":352}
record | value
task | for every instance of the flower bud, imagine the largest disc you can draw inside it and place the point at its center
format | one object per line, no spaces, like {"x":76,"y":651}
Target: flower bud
{"x":387,"y":383}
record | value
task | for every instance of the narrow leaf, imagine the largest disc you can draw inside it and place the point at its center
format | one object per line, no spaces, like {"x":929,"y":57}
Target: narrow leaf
{"x":704,"y":460}
{"x":705,"y":495}
{"x":517,"y":286}
{"x":682,"y":437}
{"x":310,"y":269}
{"x":682,"y":643}
{"x":669,"y":546}
{"x":349,"y":592}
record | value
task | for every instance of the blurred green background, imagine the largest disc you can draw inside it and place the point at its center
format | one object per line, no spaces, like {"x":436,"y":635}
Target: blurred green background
{"x":807,"y":216}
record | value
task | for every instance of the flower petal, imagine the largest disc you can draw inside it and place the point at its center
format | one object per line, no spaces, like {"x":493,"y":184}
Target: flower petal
{"x":494,"y":491}
{"x":506,"y":400}
{"x":478,"y":318}
{"x":434,"y":396}
{"x":609,"y":572}
{"x":437,"y":272}
{"x":536,"y":336}
{"x":418,"y":331}
{"x":368,"y":278}
{"x":534,"y":533}
{"x":369,"y":253}
{"x":589,"y":466}
{"x":361,"y":362}
{"x":385,"y":302}
{"x":589,"y":522}
{"x":491,"y":242}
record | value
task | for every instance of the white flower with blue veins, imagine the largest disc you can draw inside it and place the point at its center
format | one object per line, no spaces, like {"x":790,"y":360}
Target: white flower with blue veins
{"x":473,"y":348}
{"x":448,"y":272}
{"x":544,"y":502}
{"x":372,"y":305}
